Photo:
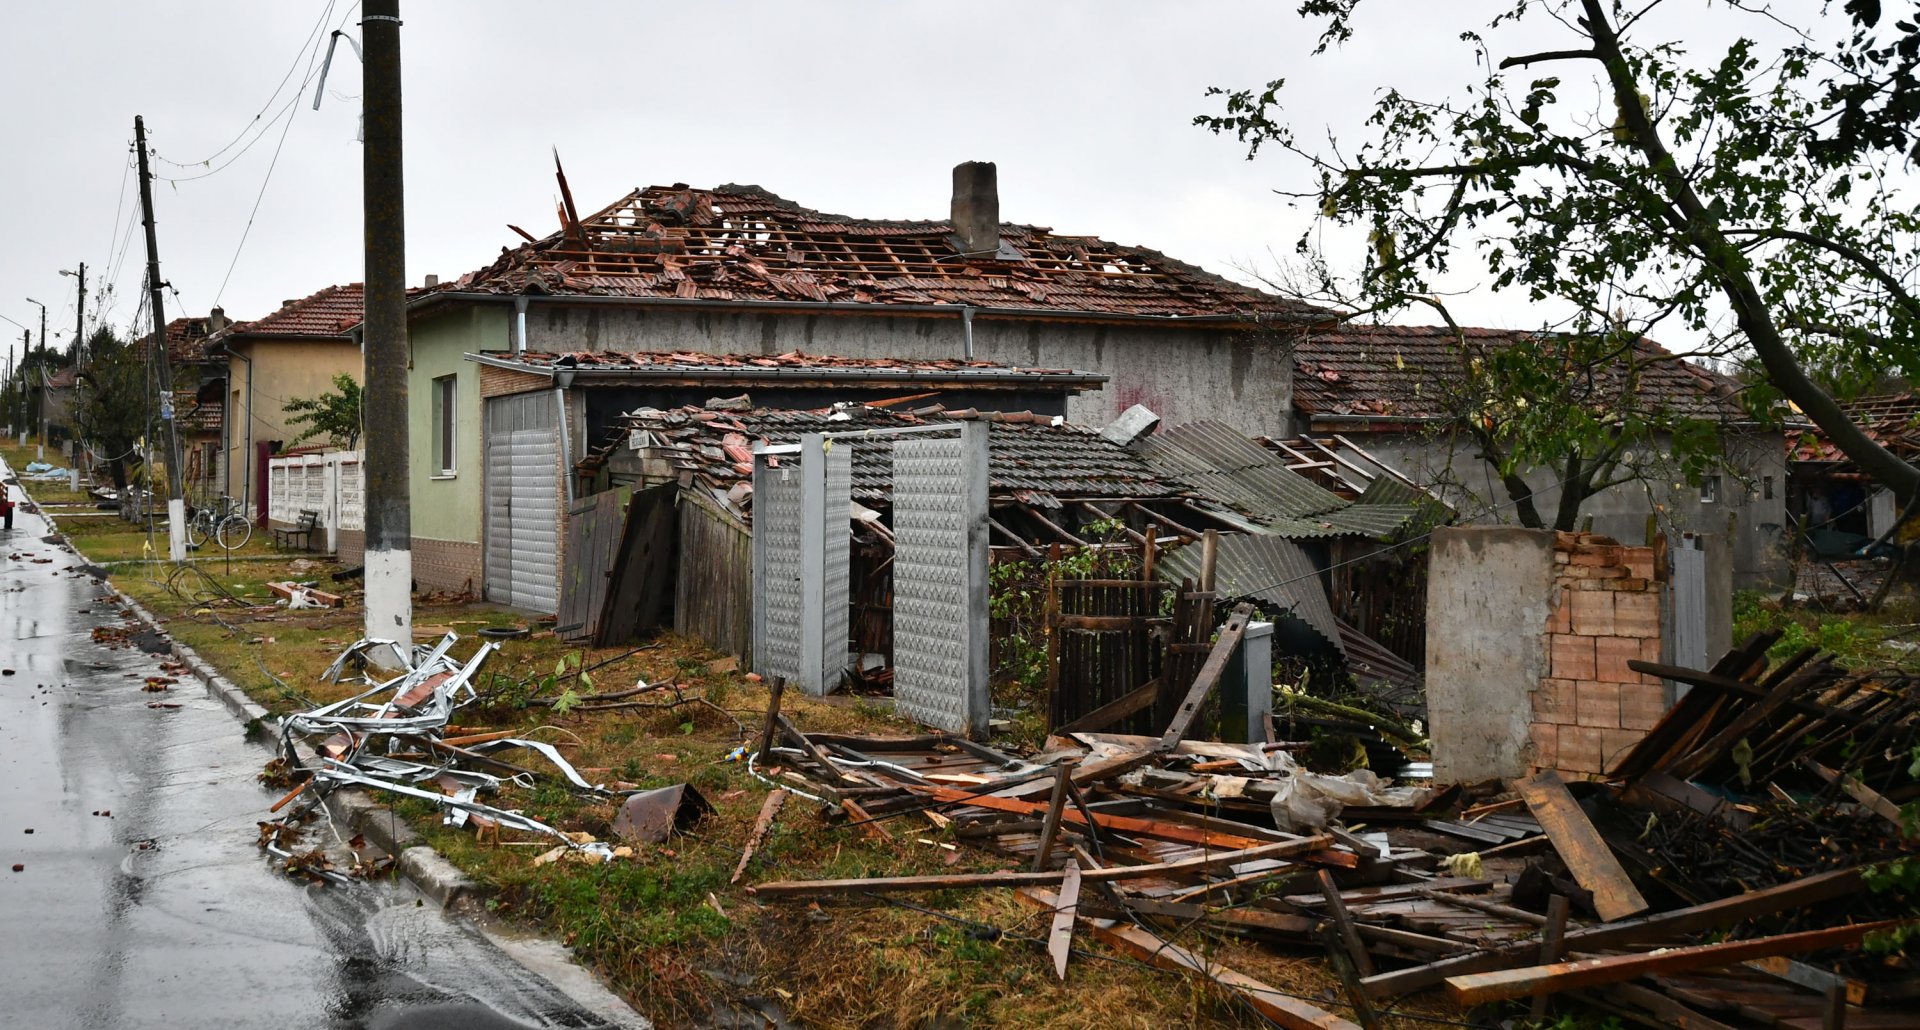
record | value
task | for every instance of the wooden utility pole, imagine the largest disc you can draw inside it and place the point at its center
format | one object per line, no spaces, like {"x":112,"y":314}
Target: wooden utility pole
{"x":389,"y":520}
{"x":163,"y":374}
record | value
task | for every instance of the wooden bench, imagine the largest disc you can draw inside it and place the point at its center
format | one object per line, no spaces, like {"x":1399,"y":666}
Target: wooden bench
{"x":309,"y":521}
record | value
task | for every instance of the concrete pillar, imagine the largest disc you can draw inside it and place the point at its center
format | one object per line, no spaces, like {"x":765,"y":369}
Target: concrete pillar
{"x":1489,"y":592}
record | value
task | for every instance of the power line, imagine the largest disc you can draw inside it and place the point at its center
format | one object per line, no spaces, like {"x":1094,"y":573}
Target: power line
{"x":255,"y":120}
{"x":275,"y":162}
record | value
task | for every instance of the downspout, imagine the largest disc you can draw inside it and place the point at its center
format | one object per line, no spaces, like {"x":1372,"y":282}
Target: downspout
{"x":520,"y":325}
{"x":562,"y":379}
{"x":966,"y":331}
{"x":226,"y":432}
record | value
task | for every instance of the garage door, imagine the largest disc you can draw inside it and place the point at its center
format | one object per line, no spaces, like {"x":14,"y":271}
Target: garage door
{"x":523,"y":502}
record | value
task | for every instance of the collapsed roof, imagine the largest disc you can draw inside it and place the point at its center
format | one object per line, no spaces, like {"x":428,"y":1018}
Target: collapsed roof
{"x":790,"y":369}
{"x":743,"y":244}
{"x":1362,"y":373}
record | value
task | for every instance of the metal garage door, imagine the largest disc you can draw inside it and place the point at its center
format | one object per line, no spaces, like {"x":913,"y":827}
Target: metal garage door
{"x":523,"y":502}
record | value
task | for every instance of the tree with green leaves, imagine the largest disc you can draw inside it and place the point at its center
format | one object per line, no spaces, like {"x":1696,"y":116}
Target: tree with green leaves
{"x":333,"y":416}
{"x":1753,"y":195}
{"x":113,"y":404}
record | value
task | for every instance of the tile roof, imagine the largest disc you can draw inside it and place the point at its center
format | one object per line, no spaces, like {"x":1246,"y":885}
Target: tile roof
{"x":1892,"y":420}
{"x":1033,"y":459}
{"x":63,"y":378}
{"x":1239,"y":475}
{"x":194,"y":415}
{"x":1357,"y":372}
{"x":626,"y":365}
{"x":186,"y":340}
{"x":743,"y":244}
{"x":330,"y":312}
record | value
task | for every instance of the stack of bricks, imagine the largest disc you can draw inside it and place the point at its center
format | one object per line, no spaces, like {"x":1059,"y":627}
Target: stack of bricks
{"x":1591,"y":708}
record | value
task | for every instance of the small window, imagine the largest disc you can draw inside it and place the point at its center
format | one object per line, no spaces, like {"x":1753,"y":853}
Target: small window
{"x":1766,"y":487}
{"x":1710,"y":490}
{"x":445,"y":392}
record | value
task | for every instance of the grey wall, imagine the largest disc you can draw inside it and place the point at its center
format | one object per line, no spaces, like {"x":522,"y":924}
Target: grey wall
{"x":1752,"y":522}
{"x":1240,"y":377}
{"x":1488,"y":597}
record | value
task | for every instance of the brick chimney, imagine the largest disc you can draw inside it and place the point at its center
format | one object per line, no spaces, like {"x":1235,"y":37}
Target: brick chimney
{"x":976,"y":208}
{"x":432,"y":281}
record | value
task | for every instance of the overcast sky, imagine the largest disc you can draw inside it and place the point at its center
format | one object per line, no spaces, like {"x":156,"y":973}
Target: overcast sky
{"x":855,"y":108}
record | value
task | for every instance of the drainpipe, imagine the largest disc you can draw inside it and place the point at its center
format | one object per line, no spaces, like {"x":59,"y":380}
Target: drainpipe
{"x":966,"y":330}
{"x":562,"y":379}
{"x":226,"y":431}
{"x":519,"y":325}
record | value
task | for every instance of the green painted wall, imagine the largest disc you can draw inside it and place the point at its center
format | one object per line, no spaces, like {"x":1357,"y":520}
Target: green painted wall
{"x":449,"y":508}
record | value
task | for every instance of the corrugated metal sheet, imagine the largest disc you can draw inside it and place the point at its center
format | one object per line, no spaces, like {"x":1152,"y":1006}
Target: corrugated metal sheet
{"x":1224,"y":463}
{"x":1271,"y":571}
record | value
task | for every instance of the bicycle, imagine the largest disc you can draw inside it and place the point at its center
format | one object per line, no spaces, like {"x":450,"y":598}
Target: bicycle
{"x":222,"y":523}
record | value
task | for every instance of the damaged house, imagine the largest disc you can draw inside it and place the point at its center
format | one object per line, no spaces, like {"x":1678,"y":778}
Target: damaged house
{"x":1395,"y":391}
{"x":739,"y":272}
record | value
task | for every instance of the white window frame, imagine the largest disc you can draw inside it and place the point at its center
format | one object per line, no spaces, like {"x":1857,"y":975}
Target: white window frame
{"x":446,"y":422}
{"x":1709,"y":489}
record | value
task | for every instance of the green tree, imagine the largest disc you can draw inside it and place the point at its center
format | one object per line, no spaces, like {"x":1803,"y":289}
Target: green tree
{"x":334,"y":415}
{"x":1650,"y":185}
{"x":113,"y":405}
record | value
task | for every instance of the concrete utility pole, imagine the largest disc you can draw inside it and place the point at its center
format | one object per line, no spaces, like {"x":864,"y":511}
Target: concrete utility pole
{"x":389,"y":518}
{"x":79,"y":315}
{"x":176,"y":501}
{"x":76,"y":454}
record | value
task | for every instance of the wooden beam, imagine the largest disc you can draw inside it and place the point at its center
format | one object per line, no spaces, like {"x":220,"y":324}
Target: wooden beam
{"x":1283,"y":1009}
{"x":1136,"y":700}
{"x":1712,"y":915}
{"x":1862,"y":794}
{"x":1553,"y":948}
{"x":1505,"y":984}
{"x":948,"y":881}
{"x":1343,"y":925}
{"x":761,"y":824}
{"x":1580,"y":846}
{"x":1209,"y":676}
{"x":1056,"y":805}
{"x":1060,"y":938}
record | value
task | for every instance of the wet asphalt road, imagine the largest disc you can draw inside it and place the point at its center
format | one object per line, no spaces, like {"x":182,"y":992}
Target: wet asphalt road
{"x":159,"y":911}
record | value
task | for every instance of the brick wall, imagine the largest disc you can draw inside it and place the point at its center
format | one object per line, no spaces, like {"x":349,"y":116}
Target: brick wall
{"x":438,"y":565}
{"x":498,"y":382}
{"x":1590,"y":708}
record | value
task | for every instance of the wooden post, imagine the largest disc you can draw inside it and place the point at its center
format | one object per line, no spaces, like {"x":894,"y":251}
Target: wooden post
{"x":1343,"y":925}
{"x":1553,"y":946}
{"x":1834,"y":1014}
{"x":775,"y":687}
{"x":1209,"y":554}
{"x":1063,"y":777}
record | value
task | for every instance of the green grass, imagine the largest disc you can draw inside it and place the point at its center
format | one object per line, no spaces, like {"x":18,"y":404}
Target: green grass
{"x":1859,"y":640}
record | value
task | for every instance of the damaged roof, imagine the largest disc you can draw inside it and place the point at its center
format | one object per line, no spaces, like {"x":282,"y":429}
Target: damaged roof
{"x":1239,"y":475}
{"x":187,"y":339}
{"x":1033,"y":459}
{"x":1891,"y":420}
{"x":1357,"y":373}
{"x":740,"y":244}
{"x":793,"y":366}
{"x":330,"y":312}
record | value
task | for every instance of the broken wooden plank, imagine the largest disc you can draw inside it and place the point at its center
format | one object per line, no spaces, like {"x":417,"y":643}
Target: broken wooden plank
{"x":1050,"y":826}
{"x":1283,"y":1009}
{"x":1506,"y":984}
{"x":1134,"y":701}
{"x":1813,"y":978}
{"x":1131,"y":825}
{"x":799,"y":888}
{"x":1586,"y":855}
{"x":1711,"y":915}
{"x":1343,"y":926}
{"x":1492,"y":908}
{"x":868,"y":825}
{"x":1553,"y":948}
{"x":1226,"y":918}
{"x":761,"y":824}
{"x":775,"y":688}
{"x":1223,"y":647}
{"x":1060,"y":939}
{"x":317,"y":596}
{"x":1865,"y":796}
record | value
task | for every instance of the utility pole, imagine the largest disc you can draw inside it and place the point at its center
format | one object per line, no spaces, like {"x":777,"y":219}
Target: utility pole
{"x":176,"y":501}
{"x":389,"y":518}
{"x":76,"y":454}
{"x":79,"y":316}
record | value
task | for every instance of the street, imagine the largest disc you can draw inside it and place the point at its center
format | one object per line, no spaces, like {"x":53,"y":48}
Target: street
{"x":133,"y":891}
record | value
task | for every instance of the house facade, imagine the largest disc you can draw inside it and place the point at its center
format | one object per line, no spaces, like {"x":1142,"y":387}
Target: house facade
{"x":199,"y":403}
{"x":1384,"y":387}
{"x":291,"y":354}
{"x":739,"y":272}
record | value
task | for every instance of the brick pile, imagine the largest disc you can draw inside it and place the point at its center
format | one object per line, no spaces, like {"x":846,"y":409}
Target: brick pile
{"x":1591,"y":708}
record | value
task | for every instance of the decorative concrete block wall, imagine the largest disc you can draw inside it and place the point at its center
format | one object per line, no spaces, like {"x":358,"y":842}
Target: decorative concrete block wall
{"x":1590,"y":708}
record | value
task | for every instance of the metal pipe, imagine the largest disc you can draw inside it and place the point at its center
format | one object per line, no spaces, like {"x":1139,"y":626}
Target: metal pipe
{"x":520,"y":324}
{"x":966,"y":330}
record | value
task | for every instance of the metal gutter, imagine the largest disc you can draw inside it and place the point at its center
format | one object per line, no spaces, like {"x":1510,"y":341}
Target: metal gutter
{"x":973,"y":376}
{"x":805,"y":307}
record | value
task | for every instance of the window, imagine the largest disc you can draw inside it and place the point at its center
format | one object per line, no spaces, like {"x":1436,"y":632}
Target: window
{"x":1766,"y":487}
{"x":1709,"y":489}
{"x":445,"y":390}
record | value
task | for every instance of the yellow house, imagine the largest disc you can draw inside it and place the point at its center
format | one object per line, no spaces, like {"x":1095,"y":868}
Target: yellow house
{"x":291,"y":354}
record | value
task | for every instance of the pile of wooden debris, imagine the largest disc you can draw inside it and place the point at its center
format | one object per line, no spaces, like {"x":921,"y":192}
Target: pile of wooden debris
{"x":1725,"y":874}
